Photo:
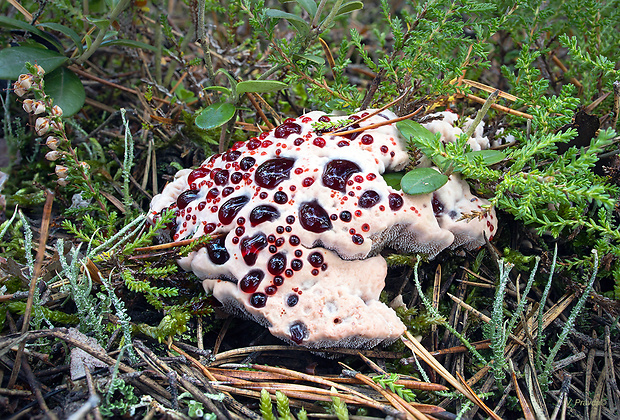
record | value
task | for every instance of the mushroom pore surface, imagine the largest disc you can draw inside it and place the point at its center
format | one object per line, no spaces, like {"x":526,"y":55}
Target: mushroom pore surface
{"x":298,"y":218}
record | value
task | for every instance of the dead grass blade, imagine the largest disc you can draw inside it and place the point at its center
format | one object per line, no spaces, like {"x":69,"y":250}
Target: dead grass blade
{"x":463,"y":388}
{"x":525,"y":406}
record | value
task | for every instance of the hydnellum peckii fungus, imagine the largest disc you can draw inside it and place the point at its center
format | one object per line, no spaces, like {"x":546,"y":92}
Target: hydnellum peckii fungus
{"x":299,"y":217}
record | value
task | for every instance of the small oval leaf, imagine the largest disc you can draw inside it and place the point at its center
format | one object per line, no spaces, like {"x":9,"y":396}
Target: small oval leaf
{"x":131,"y":44}
{"x":312,"y":58}
{"x":393,"y":179}
{"x":489,"y":157}
{"x":259,"y":86}
{"x":66,"y":89}
{"x":309,"y":6}
{"x":13,"y":60}
{"x":66,"y":31}
{"x":215,"y":115}
{"x":422,"y":181}
{"x":411,"y":130}
{"x":350,"y":7}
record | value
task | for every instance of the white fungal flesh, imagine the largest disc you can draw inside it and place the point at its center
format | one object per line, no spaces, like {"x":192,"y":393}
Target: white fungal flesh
{"x":300,"y":217}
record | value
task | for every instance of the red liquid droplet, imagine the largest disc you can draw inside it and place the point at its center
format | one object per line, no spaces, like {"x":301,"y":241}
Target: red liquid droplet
{"x":250,"y":247}
{"x":246,"y":163}
{"x":396,"y":201}
{"x":273,"y":172}
{"x":217,"y":252}
{"x":315,"y":259}
{"x":197,"y":173}
{"x":280,"y":197}
{"x":231,"y":208}
{"x":367,"y":139}
{"x":314,"y":218}
{"x":187,"y":197}
{"x":337,"y":172}
{"x":276,"y":264}
{"x":297,"y":265}
{"x":263,"y":213}
{"x":236,"y":177}
{"x":249,"y":283}
{"x":357,"y":239}
{"x":258,"y":300}
{"x":437,"y":205}
{"x":286,"y":129}
{"x":345,"y":216}
{"x":368,"y":199}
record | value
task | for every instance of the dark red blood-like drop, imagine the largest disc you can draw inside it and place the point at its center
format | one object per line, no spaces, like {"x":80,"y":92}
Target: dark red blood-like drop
{"x":319,"y":142}
{"x":343,"y":143}
{"x":307,"y":182}
{"x":315,"y":259}
{"x":280,"y":197}
{"x":253,"y":143}
{"x":298,"y":332}
{"x":271,"y":290}
{"x":221,"y":177}
{"x":294,"y":240}
{"x":290,"y":219}
{"x":280,"y":230}
{"x":297,"y":264}
{"x":236,"y":177}
{"x":313,"y":217}
{"x":345,"y":216}
{"x":258,"y":300}
{"x":367,"y":139}
{"x":437,"y":205}
{"x":263,"y":213}
{"x":384,"y":149}
{"x":368,"y":199}
{"x":230,"y":208}
{"x":197,"y":173}
{"x":247,"y":162}
{"x":217,"y":251}
{"x":273,"y":171}
{"x":239,"y":230}
{"x":231,"y":156}
{"x":298,"y":141}
{"x":292,"y":300}
{"x":213,"y":192}
{"x":250,"y":247}
{"x":286,"y":129}
{"x":249,"y":283}
{"x":227,"y":191}
{"x":357,"y":239}
{"x":337,"y":172}
{"x":277,"y":264}
{"x":187,"y":197}
{"x":324,"y":118}
{"x":209,"y":227}
{"x":278,"y":280}
{"x":396,"y":201}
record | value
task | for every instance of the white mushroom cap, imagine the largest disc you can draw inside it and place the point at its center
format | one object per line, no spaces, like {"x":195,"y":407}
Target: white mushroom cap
{"x":299,"y":218}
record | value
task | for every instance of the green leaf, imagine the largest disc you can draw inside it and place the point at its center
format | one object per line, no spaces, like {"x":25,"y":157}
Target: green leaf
{"x":222,"y":89}
{"x":301,"y":25}
{"x":309,"y":6}
{"x":66,"y":89}
{"x":131,"y":44}
{"x":489,"y":157}
{"x":350,"y":7}
{"x":13,"y":60}
{"x":101,"y":24}
{"x":259,"y":86}
{"x":313,"y":58}
{"x":412,"y":130}
{"x":215,"y":115}
{"x":393,"y":179}
{"x":65,"y":31}
{"x":422,"y":181}
{"x":8,"y":22}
